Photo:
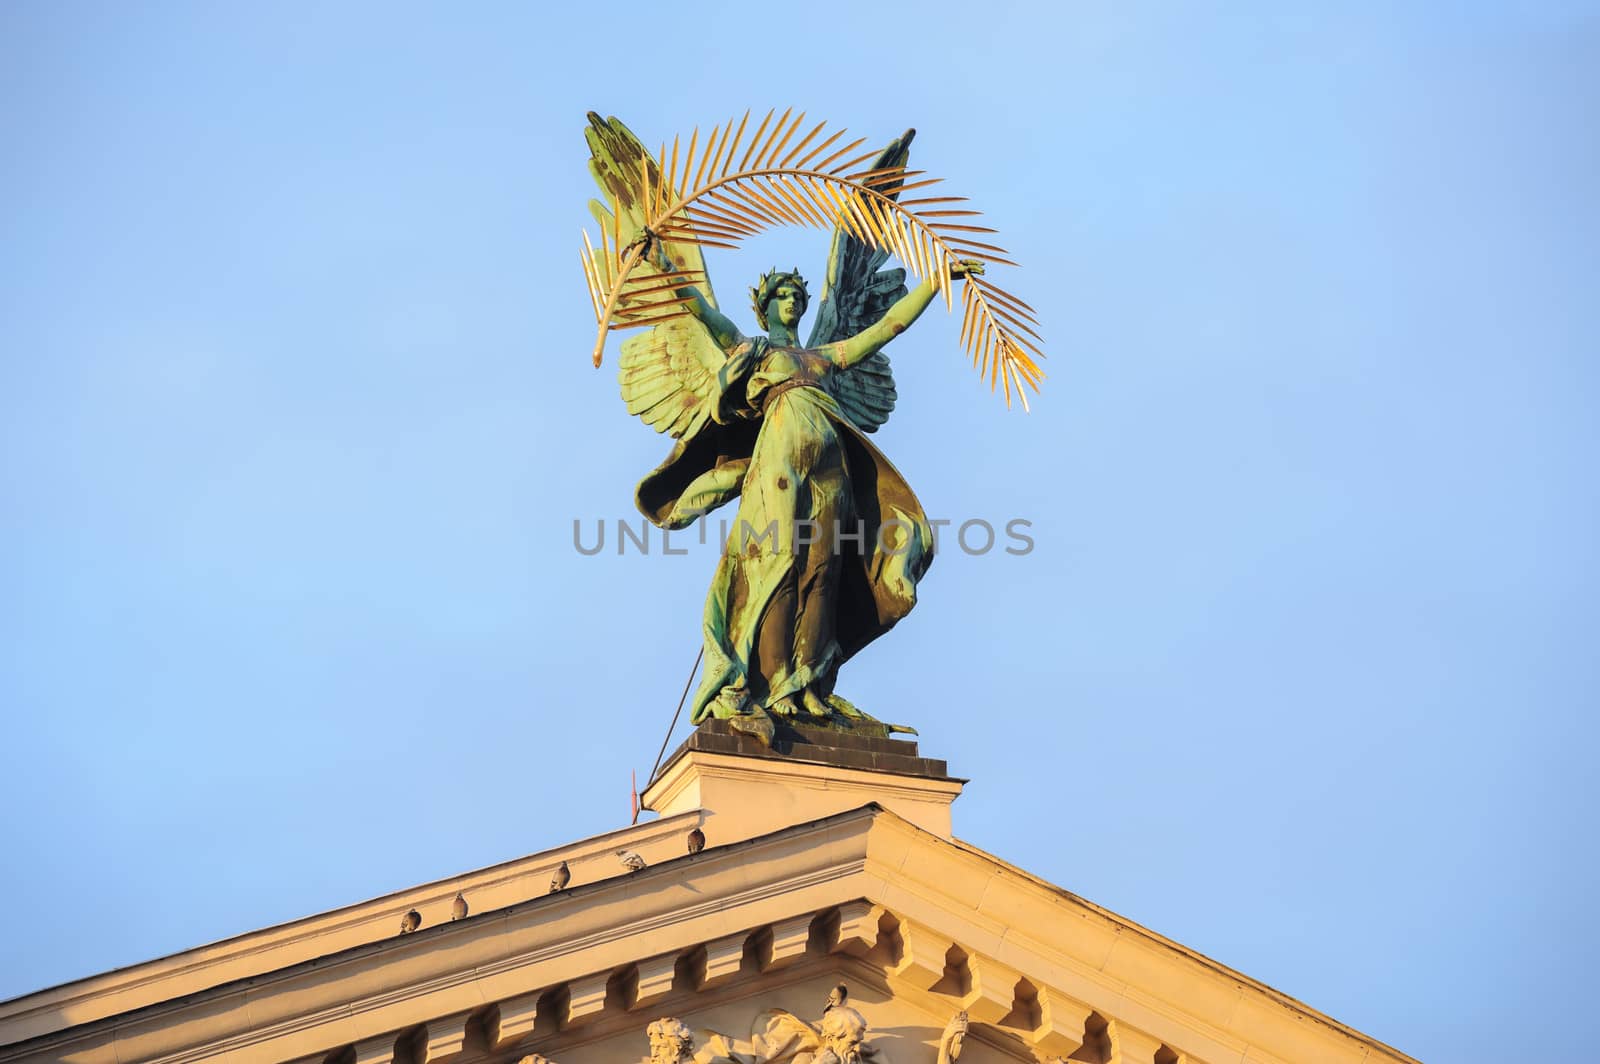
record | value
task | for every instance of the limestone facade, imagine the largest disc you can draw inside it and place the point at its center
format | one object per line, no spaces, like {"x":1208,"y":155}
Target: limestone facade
{"x":821,"y":867}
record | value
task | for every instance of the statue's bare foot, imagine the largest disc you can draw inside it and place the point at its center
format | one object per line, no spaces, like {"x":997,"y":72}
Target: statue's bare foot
{"x":814,"y":704}
{"x":785,"y":707}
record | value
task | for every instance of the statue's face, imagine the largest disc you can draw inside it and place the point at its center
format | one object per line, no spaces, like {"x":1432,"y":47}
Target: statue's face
{"x":666,"y":1050}
{"x":788,"y":305}
{"x":847,"y":1047}
{"x":844,"y":1031}
{"x":670,"y":1042}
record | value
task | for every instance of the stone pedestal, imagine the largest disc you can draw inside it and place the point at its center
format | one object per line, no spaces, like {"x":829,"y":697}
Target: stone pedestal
{"x":745,"y":788}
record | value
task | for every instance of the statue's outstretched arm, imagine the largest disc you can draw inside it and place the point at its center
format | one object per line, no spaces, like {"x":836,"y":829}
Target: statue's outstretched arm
{"x":897,"y":320}
{"x":723,"y":332}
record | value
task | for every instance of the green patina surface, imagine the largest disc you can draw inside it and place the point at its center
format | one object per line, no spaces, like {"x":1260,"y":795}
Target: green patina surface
{"x":828,"y":542}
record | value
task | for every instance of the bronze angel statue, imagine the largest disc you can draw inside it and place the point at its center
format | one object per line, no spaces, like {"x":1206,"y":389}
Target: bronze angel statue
{"x":829,"y":541}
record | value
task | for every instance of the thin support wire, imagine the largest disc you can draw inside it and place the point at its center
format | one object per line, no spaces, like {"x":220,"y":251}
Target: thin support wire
{"x":676,"y":714}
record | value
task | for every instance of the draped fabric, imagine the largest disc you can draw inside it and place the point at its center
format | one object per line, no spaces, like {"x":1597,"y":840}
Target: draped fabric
{"x":826,"y":548}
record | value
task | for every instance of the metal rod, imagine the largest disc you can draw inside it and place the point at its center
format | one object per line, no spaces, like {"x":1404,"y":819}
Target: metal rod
{"x":679,"y":712}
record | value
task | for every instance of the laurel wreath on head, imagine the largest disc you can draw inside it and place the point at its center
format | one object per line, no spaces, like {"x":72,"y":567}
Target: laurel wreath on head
{"x":767,"y":286}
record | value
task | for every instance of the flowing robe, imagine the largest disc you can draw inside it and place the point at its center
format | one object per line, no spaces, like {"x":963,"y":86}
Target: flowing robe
{"x":828,"y":543}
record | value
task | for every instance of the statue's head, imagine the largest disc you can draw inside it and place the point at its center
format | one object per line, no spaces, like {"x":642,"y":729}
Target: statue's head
{"x":671,"y":1041}
{"x":844,"y":1030}
{"x":780,"y":296}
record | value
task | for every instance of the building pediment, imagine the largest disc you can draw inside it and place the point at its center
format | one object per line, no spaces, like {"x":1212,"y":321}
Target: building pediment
{"x":920,"y":925}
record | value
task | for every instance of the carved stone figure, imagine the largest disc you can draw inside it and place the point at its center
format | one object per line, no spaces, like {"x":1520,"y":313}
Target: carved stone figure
{"x":950,"y":1042}
{"x":780,"y":1037}
{"x":844,"y":1036}
{"x":671,"y":1041}
{"x":828,"y":544}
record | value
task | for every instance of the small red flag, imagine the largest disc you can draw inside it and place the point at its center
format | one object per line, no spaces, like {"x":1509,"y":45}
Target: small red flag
{"x":633,"y":798}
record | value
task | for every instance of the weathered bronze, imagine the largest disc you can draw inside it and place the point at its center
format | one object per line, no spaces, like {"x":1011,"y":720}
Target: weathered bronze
{"x":829,"y":541}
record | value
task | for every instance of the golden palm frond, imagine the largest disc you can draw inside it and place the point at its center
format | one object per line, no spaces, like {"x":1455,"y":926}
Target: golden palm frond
{"x":699,"y":196}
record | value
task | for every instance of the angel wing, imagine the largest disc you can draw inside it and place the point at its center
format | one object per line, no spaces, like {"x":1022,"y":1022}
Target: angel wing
{"x":855,"y":294}
{"x":662,"y":371}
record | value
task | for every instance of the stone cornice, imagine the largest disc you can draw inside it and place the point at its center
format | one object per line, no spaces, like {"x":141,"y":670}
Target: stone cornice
{"x":963,"y":896}
{"x":270,"y":949}
{"x":466,"y":964}
{"x":940,"y":922}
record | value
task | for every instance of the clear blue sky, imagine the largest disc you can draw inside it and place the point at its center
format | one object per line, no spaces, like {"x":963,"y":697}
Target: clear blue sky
{"x":296,"y":415}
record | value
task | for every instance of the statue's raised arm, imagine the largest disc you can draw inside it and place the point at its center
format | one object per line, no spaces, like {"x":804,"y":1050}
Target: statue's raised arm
{"x":853,"y":350}
{"x":724,"y":333}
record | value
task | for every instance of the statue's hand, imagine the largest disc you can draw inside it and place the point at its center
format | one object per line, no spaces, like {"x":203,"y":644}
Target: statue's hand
{"x":960,"y":268}
{"x":645,"y":237}
{"x":950,"y":1042}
